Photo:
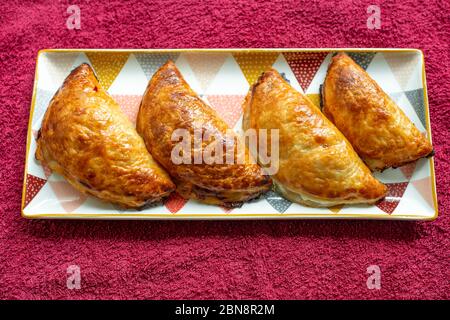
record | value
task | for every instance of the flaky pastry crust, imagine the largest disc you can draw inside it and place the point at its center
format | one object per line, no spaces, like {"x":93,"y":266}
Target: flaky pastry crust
{"x":317,"y":165}
{"x":169,"y":104}
{"x":377,"y":128}
{"x":86,"y":138}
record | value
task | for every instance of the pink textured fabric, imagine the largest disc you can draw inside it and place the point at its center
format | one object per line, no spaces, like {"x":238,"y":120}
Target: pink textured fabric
{"x":240,"y":259}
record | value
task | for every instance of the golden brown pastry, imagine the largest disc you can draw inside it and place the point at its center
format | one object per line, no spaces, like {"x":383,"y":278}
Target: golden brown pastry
{"x":317,"y":165}
{"x":87,"y":139}
{"x":170,"y":104}
{"x":380,"y":132}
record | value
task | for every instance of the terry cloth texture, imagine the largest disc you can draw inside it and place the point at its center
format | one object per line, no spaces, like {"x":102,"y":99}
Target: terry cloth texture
{"x":223,"y":259}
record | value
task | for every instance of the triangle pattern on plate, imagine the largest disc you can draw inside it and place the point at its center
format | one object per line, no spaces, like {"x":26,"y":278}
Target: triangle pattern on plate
{"x":424,"y":186}
{"x":107,"y":65}
{"x":277,"y":202}
{"x":224,"y":84}
{"x":151,"y":62}
{"x":42,"y":100}
{"x":129,"y":105}
{"x":33,"y":186}
{"x":205,"y":66}
{"x":362,"y":58}
{"x":69,"y":197}
{"x":415,"y":97}
{"x":229,"y":80}
{"x":282,"y":66}
{"x":305,"y":65}
{"x":253,"y":64}
{"x":392,"y":199}
{"x":408,"y":169}
{"x":402,"y":66}
{"x":228,"y":107}
{"x":47,"y":171}
{"x":81,"y":58}
{"x":131,"y":79}
{"x":380,"y":71}
{"x":58,"y":65}
{"x":175,"y":202}
{"x":396,"y":96}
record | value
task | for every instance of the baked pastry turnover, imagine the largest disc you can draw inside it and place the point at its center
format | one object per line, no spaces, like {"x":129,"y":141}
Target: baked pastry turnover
{"x":317,"y":165}
{"x":380,"y":132}
{"x":87,"y":139}
{"x":169,"y":105}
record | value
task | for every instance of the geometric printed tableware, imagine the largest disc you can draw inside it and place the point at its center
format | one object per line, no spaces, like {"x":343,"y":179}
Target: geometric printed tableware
{"x":222,"y":78}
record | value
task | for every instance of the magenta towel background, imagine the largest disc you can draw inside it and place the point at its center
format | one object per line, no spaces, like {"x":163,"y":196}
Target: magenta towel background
{"x":223,"y":259}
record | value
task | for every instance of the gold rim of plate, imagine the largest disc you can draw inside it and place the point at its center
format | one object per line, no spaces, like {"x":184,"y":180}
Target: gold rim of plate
{"x":224,"y":216}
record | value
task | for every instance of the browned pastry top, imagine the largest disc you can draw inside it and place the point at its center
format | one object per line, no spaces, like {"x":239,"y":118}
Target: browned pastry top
{"x":317,"y":165}
{"x":86,"y":138}
{"x":376,"y":127}
{"x":170,"y":104}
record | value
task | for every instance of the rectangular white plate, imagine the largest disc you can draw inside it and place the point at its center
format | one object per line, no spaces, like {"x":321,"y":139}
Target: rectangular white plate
{"x":222,"y":78}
